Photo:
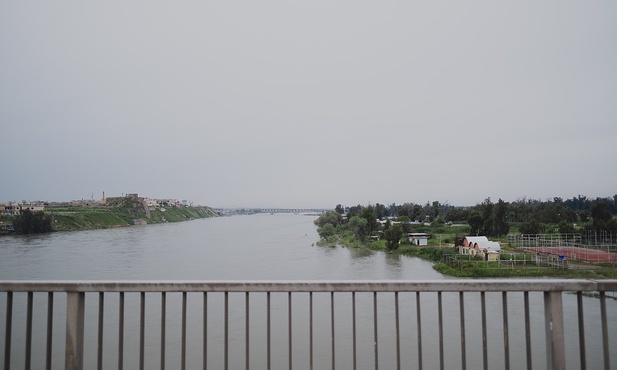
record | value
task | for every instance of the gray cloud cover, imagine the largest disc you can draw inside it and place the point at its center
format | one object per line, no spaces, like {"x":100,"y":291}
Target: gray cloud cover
{"x":281,"y":103}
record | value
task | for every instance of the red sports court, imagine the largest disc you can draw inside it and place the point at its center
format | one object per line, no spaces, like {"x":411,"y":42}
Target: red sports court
{"x":583,"y":254}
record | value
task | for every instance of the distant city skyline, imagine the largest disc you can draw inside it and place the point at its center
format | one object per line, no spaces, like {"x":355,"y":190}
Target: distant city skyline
{"x":308,"y":104}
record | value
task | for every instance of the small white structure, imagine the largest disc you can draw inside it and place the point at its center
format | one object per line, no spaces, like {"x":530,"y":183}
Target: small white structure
{"x":418,"y":238}
{"x":476,"y":245}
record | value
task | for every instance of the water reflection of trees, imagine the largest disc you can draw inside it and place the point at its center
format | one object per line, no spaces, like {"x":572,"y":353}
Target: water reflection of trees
{"x":393,"y":259}
{"x":361,"y":252}
{"x":393,"y":265}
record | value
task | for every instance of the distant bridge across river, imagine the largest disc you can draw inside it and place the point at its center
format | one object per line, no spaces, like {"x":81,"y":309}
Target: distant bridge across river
{"x":251,"y":211}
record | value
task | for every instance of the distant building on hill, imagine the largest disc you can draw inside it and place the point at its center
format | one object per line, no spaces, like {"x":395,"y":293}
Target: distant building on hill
{"x":13,"y":209}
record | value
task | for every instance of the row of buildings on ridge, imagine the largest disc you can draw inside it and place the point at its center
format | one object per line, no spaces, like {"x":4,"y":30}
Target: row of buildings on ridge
{"x":15,"y":208}
{"x":12,"y":208}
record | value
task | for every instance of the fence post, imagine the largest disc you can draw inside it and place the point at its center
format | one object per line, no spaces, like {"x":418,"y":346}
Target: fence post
{"x":74,"y":359}
{"x":553,"y":321}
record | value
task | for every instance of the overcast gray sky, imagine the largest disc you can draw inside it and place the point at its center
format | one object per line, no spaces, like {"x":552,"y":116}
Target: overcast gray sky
{"x":308,"y":103}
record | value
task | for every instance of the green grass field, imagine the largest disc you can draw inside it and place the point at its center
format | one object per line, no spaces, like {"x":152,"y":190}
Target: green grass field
{"x":86,"y":218}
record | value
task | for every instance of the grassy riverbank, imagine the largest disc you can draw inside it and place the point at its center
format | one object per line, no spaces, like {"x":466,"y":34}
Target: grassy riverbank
{"x":365,"y":232}
{"x":481,"y":269}
{"x":87,"y":218}
{"x":477,"y":268}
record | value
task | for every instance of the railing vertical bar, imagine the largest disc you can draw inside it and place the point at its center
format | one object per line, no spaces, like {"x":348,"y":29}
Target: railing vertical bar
{"x":461,"y":299}
{"x":419,"y":324}
{"x":142,"y":329}
{"x":289,"y":327}
{"x":332,"y":329}
{"x":7,"y":333}
{"x":163,"y":327}
{"x":74,"y":350}
{"x":311,"y":329}
{"x":50,"y":326}
{"x":121,"y":331}
{"x":247,"y":321}
{"x":353,"y":319}
{"x":606,"y":347}
{"x":527,"y":330}
{"x":484,"y":339}
{"x":226,"y":344}
{"x":553,"y":322}
{"x":440,"y":315}
{"x":183,"y":334}
{"x":581,"y":330}
{"x":506,"y":341}
{"x":28,"y":360}
{"x":376,"y":342}
{"x":398,"y":335}
{"x":268,"y":328}
{"x":99,"y":352}
{"x":205,"y":333}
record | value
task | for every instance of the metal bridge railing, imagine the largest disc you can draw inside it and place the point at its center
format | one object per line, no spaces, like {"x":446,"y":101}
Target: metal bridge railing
{"x":352,"y":324}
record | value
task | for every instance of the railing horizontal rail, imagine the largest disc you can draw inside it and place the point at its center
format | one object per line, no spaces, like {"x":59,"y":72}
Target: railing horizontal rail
{"x":509,"y":285}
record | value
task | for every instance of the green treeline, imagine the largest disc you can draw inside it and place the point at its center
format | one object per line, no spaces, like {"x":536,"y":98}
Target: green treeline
{"x":527,"y":216}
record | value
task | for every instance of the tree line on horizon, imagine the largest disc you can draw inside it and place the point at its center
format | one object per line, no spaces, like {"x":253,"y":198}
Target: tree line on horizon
{"x":495,"y":219}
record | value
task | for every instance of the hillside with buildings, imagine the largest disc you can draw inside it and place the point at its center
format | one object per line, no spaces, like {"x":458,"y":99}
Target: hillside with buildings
{"x":109,"y":212}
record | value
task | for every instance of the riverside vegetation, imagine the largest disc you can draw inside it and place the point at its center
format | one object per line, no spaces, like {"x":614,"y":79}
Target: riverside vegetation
{"x":123,"y":212}
{"x":362,"y":227}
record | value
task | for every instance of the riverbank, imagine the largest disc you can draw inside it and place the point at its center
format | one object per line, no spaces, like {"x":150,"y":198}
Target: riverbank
{"x":81,"y":218}
{"x":478,"y":268}
{"x":124,"y":214}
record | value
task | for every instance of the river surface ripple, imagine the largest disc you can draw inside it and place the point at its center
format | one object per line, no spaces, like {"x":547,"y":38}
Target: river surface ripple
{"x":257,"y":247}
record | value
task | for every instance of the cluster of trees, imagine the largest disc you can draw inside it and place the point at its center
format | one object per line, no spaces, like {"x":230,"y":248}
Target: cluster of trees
{"x":360,"y":223}
{"x":486,"y":218}
{"x":534,"y":216}
{"x":494,"y":219}
{"x":489,"y":219}
{"x":411,"y":211}
{"x":602,"y":219}
{"x":576,"y":209}
{"x":29,"y":222}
